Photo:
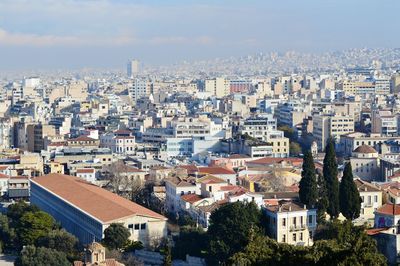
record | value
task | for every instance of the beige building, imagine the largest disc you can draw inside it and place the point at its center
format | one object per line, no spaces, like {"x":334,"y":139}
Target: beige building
{"x":371,"y":200}
{"x":365,"y":163}
{"x":86,"y":211}
{"x":218,"y":87}
{"x":325,"y":126}
{"x":291,"y":223}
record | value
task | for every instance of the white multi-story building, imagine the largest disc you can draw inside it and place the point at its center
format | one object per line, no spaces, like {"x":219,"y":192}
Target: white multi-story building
{"x":118,"y":144}
{"x":218,"y":87}
{"x":140,"y":88}
{"x":291,"y":223}
{"x":384,"y":122}
{"x":325,"y":126}
{"x":132,"y":68}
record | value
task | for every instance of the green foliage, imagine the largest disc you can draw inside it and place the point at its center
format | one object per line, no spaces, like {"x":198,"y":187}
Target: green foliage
{"x":294,"y":148}
{"x":34,"y":225}
{"x":350,"y":203}
{"x":167,"y":256}
{"x":322,"y":203}
{"x":60,"y":240}
{"x":131,"y":246}
{"x":229,"y":229}
{"x":288,"y":132}
{"x":345,"y":244}
{"x":308,"y":184}
{"x":330,"y":172}
{"x":16,"y":210}
{"x":186,"y":220}
{"x":32,"y":256}
{"x":116,"y":236}
{"x":184,"y":244}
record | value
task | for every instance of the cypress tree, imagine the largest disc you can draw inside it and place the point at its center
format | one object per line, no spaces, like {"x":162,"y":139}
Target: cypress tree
{"x":330,"y":172}
{"x":350,"y":203}
{"x":322,"y":203}
{"x":308,"y":183}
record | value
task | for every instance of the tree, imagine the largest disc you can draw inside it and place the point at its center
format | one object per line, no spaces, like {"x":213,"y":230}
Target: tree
{"x":308,"y":184}
{"x":350,"y":203}
{"x":353,"y":246}
{"x":120,"y":182}
{"x":60,"y":240}
{"x":322,"y":203}
{"x":16,"y":210}
{"x":330,"y":172}
{"x":34,"y":225}
{"x":184,"y":244}
{"x":229,"y":229}
{"x":167,"y":256}
{"x":342,"y":244}
{"x":294,"y":148}
{"x":116,"y":236}
{"x":32,"y":256}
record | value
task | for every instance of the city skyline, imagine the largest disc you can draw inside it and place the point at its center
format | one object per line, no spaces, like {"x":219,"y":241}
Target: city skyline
{"x":43,"y":35}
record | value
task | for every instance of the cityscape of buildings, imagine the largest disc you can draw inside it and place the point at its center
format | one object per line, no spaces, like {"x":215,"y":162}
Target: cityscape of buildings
{"x":268,"y":158}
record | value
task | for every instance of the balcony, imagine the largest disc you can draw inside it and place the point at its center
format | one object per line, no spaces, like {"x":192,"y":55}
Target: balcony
{"x":298,"y":227}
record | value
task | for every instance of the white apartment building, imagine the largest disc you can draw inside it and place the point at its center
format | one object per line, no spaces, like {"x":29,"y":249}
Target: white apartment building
{"x":384,"y":122}
{"x":132,"y":68}
{"x":325,"y":126}
{"x":218,"y":87}
{"x":371,"y":200}
{"x":140,"y":88}
{"x":188,"y":136}
{"x":258,"y":127}
{"x":291,"y":223}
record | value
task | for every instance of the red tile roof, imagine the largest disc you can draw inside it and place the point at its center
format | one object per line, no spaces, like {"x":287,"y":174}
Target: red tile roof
{"x":4,"y":167}
{"x":85,"y":171}
{"x":191,"y":198}
{"x":82,"y":138}
{"x":389,"y":209}
{"x":375,"y":231}
{"x":100,"y":203}
{"x":216,"y":170}
{"x":269,"y":160}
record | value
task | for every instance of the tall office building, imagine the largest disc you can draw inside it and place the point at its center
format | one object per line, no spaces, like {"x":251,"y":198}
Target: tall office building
{"x":133,"y":68}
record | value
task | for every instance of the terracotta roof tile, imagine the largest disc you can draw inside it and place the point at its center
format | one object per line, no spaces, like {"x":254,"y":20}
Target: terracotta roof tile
{"x":100,"y":203}
{"x":216,"y":170}
{"x":389,"y":209}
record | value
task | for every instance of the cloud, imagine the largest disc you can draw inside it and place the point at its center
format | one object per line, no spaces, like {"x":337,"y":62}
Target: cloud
{"x":7,"y":38}
{"x":35,"y":40}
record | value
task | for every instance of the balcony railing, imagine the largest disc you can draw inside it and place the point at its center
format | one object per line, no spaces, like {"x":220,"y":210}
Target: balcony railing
{"x":297,"y":227}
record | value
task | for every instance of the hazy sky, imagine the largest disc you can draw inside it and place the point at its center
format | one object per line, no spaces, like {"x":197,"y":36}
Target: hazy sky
{"x":105,"y":33}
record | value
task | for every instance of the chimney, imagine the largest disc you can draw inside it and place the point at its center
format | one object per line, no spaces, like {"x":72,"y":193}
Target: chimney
{"x":304,"y":206}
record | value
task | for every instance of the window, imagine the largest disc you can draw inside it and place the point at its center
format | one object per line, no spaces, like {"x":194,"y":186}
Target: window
{"x":310,"y":219}
{"x":375,"y":198}
{"x":284,"y":222}
{"x":294,"y":237}
{"x":283,"y":238}
{"x":142,"y":226}
{"x":301,"y":237}
{"x":130,"y":226}
{"x":210,"y":188}
{"x":294,"y":221}
{"x":137,"y":226}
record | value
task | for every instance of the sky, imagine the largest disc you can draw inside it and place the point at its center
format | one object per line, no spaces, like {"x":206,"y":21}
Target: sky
{"x":70,"y":34}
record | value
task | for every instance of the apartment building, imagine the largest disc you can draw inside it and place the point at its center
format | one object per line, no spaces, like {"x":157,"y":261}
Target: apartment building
{"x":291,"y":223}
{"x":371,"y":200}
{"x":218,"y":87}
{"x":325,"y":126}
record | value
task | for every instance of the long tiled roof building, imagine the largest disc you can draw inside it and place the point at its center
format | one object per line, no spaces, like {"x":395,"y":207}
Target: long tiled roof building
{"x":86,"y":210}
